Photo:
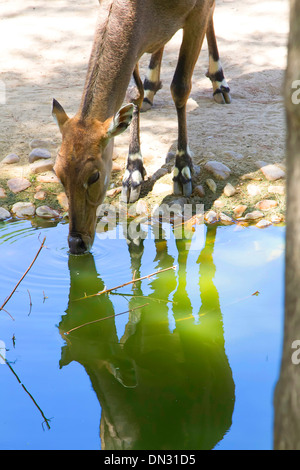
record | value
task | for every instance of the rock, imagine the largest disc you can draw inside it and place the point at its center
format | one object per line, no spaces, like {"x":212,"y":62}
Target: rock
{"x":253,"y":189}
{"x":199,"y":191}
{"x":239,"y":210}
{"x":229,"y":190}
{"x":141,"y":207}
{"x":114,"y":191}
{"x":250,"y":176}
{"x":40,"y":195}
{"x":42,"y":166}
{"x":23,"y":209}
{"x":38,"y":153}
{"x":254,"y":215}
{"x":40,"y":143}
{"x":233,"y":154}
{"x":270,"y":171}
{"x":266,"y":204}
{"x":219,"y":204}
{"x":211,"y":217}
{"x":52,"y":178}
{"x":116,"y":167}
{"x":46,"y":212}
{"x":225,"y":219}
{"x":2,"y":193}
{"x":11,"y":158}
{"x":211,"y":184}
{"x":17,"y":185}
{"x":263,"y":223}
{"x":4,"y":214}
{"x":218,"y":169}
{"x":63,"y":201}
{"x":277,"y":190}
{"x":277,"y":218}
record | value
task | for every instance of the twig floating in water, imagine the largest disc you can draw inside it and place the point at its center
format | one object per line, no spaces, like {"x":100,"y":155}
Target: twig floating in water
{"x":106,"y":291}
{"x":105,"y":318}
{"x":19,"y":282}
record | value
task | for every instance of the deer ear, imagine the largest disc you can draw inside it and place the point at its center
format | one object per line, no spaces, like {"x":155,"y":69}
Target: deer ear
{"x":120,"y":121}
{"x":59,"y":114}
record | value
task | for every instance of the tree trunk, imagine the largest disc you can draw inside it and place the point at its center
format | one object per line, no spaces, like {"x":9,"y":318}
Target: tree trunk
{"x":287,"y":393}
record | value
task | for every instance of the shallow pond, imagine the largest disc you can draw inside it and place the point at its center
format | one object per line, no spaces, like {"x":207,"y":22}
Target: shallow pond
{"x":194,"y":368}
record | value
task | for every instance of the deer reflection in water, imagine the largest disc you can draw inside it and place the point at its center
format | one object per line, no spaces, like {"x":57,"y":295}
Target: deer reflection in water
{"x":159,"y":388}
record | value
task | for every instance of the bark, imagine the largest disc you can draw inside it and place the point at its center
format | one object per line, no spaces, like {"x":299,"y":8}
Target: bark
{"x":287,"y":392}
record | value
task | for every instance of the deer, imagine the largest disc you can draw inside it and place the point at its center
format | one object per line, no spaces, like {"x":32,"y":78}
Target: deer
{"x":127,"y":29}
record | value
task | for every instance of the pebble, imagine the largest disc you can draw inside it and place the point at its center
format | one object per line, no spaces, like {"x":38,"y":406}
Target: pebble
{"x":48,"y":179}
{"x":41,"y":166}
{"x":254,"y":215}
{"x":266,"y":204}
{"x":40,"y":143}
{"x":114,"y":191}
{"x":63,"y":200}
{"x":4,"y":214}
{"x":218,"y":169}
{"x":11,"y":158}
{"x":23,"y":209}
{"x":211,"y":184}
{"x":116,"y":167}
{"x":46,"y":212}
{"x":277,"y":218}
{"x":40,"y":195}
{"x":211,"y":217}
{"x":199,"y":191}
{"x":233,"y":154}
{"x":225,"y":219}
{"x":263,"y":223}
{"x":141,"y":207}
{"x":218,"y":203}
{"x":229,"y":190}
{"x":277,"y":190}
{"x":270,"y":171}
{"x":38,"y":153}
{"x":239,"y":210}
{"x":17,"y":185}
{"x":253,"y":189}
{"x":2,"y":193}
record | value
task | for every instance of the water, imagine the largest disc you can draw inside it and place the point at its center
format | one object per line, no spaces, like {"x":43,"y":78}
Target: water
{"x":195,"y":368}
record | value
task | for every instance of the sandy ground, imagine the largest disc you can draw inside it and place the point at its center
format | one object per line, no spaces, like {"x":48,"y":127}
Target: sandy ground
{"x":45,"y":51}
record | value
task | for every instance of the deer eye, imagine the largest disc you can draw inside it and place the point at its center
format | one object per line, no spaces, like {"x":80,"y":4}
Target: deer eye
{"x":93,"y":178}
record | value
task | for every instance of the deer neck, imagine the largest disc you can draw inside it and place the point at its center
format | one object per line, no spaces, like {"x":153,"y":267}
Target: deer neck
{"x":114,"y":55}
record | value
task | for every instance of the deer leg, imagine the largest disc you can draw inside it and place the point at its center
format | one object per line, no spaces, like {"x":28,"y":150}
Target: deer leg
{"x":193,"y":37}
{"x":215,"y":71}
{"x":152,"y":81}
{"x":135,"y":171}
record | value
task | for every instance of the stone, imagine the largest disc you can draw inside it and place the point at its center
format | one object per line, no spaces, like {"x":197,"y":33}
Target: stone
{"x":141,"y":207}
{"x":270,"y":171}
{"x":211,"y":217}
{"x":225,"y":219}
{"x":233,"y":154}
{"x":199,"y":191}
{"x":211,"y":184}
{"x":63,"y":201}
{"x":276,"y":190}
{"x":40,"y":143}
{"x":253,"y":189}
{"x":116,"y":167}
{"x":218,"y":203}
{"x":266,"y":204}
{"x":2,"y":193}
{"x":113,"y":191}
{"x":263,"y":223}
{"x":277,"y":218}
{"x":218,"y":169}
{"x":229,"y":190}
{"x":239,"y":210}
{"x":4,"y":214}
{"x":52,"y":178}
{"x":46,"y":212}
{"x":254,"y":215}
{"x":40,"y":195}
{"x":42,"y":166}
{"x":11,"y":158}
{"x":23,"y":209}
{"x":37,"y":154}
{"x":16,"y":185}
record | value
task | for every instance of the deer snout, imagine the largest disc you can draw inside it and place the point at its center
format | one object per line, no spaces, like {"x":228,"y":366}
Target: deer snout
{"x":77,"y":245}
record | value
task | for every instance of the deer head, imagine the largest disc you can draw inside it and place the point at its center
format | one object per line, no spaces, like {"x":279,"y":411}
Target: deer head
{"x":83,"y":165}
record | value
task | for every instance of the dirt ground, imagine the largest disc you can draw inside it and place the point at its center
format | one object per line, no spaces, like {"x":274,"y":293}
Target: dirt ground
{"x":44,"y":54}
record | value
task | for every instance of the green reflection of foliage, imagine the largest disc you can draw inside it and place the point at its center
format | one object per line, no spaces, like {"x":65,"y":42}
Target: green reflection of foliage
{"x":158,"y":389}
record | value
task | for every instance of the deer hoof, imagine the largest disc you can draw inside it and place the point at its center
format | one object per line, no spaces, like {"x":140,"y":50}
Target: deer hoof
{"x":182,"y":181}
{"x":222,"y":95}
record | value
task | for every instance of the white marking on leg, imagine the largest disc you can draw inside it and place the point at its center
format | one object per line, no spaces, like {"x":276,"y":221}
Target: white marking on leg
{"x":186,"y":172}
{"x":136,"y":177}
{"x":135,"y":156}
